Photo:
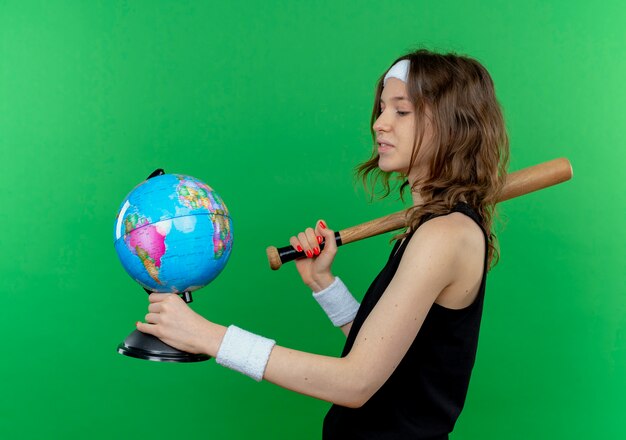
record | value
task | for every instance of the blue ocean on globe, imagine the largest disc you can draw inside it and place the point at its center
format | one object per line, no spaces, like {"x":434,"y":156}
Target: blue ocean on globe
{"x":173,"y":233}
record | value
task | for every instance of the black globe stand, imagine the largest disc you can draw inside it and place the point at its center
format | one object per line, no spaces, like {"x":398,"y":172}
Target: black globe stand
{"x":144,"y":346}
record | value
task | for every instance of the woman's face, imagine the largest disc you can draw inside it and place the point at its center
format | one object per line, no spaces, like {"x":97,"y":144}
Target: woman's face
{"x":395,"y":130}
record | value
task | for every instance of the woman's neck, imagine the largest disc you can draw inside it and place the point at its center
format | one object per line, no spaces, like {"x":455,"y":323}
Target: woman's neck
{"x":415,"y":188}
{"x":417,"y":198}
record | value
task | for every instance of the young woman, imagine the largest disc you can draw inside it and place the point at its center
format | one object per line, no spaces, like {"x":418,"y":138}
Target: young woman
{"x":411,"y":344}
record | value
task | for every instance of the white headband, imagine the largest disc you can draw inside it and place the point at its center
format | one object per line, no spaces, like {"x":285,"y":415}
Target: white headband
{"x":400,"y":70}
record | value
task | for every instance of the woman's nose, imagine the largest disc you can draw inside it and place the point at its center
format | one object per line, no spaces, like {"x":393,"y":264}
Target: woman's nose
{"x":381,"y":124}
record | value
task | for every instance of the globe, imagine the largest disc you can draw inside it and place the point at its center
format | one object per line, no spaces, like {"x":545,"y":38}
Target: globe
{"x":173,"y":234}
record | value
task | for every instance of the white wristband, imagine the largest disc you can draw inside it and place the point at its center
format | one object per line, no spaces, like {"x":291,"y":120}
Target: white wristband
{"x":337,"y":302}
{"x":245,"y":352}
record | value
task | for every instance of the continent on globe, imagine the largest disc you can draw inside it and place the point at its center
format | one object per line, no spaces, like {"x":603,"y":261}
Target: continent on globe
{"x":195,"y":195}
{"x":146,"y":241}
{"x":221,"y":233}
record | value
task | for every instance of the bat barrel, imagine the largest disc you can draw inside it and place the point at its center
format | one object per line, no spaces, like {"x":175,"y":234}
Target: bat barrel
{"x":536,"y":177}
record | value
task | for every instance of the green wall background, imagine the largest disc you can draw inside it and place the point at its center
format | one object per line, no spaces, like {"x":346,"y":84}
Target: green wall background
{"x":269,"y":103}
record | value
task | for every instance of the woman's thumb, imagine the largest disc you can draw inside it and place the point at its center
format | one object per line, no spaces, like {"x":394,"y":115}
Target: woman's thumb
{"x":328,"y":234}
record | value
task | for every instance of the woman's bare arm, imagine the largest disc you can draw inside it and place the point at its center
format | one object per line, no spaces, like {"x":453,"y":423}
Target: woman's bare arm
{"x":346,"y":328}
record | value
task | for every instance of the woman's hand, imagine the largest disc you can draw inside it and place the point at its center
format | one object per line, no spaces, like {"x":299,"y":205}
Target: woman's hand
{"x":171,"y":320}
{"x":315,"y":268}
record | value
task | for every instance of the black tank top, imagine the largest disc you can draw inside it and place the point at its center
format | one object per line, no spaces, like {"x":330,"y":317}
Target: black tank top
{"x":423,"y":397}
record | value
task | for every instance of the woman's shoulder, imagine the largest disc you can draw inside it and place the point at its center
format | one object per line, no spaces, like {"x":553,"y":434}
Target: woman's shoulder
{"x":454,"y":232}
{"x":444,"y":252}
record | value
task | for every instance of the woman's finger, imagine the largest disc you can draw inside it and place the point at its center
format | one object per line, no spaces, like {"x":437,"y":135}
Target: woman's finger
{"x":295,"y":243}
{"x":150,"y":329}
{"x":313,"y":239}
{"x":155,"y":307}
{"x":153,"y":318}
{"x":306,"y":246}
{"x":320,"y":226}
{"x":329,"y":236}
{"x":158,"y":297}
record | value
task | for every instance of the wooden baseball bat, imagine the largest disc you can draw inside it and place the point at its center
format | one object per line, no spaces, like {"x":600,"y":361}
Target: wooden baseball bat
{"x":517,"y":184}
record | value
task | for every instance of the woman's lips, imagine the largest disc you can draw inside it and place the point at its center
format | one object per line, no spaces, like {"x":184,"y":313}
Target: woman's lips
{"x":384,"y":147}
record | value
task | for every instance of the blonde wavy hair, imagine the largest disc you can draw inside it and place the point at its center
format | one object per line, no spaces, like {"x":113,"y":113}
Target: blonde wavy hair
{"x":470,"y":143}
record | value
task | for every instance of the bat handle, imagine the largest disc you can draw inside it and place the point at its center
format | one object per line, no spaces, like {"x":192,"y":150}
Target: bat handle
{"x":278,"y":256}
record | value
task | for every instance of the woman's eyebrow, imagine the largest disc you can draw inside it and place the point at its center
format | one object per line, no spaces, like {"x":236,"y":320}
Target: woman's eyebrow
{"x":395,"y":98}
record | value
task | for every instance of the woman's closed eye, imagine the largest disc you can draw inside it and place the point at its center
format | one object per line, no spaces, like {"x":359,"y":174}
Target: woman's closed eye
{"x":399,"y":112}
